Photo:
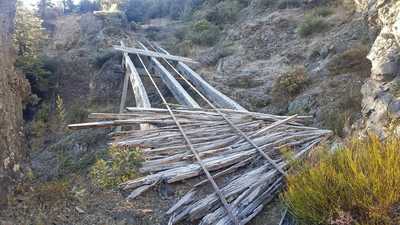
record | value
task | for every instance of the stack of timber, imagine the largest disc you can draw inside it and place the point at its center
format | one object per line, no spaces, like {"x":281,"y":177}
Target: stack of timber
{"x":246,"y":179}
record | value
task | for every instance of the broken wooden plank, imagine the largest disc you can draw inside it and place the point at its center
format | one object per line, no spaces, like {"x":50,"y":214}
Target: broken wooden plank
{"x":153,"y":54}
{"x":141,"y":98}
{"x":125,"y":85}
{"x":213,"y":94}
{"x":173,"y":85}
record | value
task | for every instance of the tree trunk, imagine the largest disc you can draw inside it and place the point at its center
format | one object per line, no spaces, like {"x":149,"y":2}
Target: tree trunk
{"x":13,"y":89}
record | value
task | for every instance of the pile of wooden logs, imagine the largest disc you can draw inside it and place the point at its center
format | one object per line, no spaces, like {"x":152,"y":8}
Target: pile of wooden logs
{"x":246,"y":179}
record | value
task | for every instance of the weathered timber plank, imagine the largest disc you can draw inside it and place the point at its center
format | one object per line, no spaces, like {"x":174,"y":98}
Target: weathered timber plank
{"x":141,"y":98}
{"x":153,"y":54}
{"x":173,"y":85}
{"x":213,"y":94}
{"x":125,"y":85}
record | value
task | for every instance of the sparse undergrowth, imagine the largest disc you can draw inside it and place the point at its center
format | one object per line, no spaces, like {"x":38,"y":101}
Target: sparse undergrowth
{"x":203,"y":33}
{"x":120,"y":166}
{"x":357,"y":184}
{"x":351,"y":60}
{"x":312,"y":24}
{"x":291,"y":83}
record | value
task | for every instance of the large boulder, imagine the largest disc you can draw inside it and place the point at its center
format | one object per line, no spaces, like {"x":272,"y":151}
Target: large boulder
{"x":380,"y":104}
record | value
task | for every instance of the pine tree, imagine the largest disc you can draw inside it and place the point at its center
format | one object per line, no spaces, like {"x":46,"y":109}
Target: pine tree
{"x":69,"y":6}
{"x":29,"y":33}
{"x":60,"y":110}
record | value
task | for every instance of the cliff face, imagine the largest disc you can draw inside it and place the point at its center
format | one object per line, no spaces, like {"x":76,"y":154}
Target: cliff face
{"x":13,"y":89}
{"x":381,"y":92}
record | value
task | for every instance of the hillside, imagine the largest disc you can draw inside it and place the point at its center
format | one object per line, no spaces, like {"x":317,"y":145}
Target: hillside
{"x":336,"y":61}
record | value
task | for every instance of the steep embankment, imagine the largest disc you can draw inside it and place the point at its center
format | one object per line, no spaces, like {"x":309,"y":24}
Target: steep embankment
{"x":381,"y":92}
{"x":13,"y":90}
{"x":283,"y":58}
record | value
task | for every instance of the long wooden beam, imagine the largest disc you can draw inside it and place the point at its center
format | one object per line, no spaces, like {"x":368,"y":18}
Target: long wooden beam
{"x":173,"y":85}
{"x":125,"y":85}
{"x":213,"y":94}
{"x":141,"y":97}
{"x":153,"y":54}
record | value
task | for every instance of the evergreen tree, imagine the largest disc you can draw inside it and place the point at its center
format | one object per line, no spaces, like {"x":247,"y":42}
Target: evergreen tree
{"x":69,"y":6}
{"x":88,"y":6}
{"x":29,"y":38}
{"x":29,"y":33}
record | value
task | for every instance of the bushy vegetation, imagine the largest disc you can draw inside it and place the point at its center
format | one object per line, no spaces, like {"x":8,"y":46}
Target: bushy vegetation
{"x":87,"y":6}
{"x":225,"y":12}
{"x":312,"y":24}
{"x":53,"y":191}
{"x":291,"y":83}
{"x":139,"y":10}
{"x":203,"y":33}
{"x":357,"y":184}
{"x":121,"y":165}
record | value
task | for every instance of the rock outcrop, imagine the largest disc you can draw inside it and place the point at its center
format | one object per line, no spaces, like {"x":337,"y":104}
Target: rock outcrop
{"x":381,"y":92}
{"x":13,"y":89}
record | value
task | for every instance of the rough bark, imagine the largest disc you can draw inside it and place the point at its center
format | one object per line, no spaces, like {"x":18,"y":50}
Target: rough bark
{"x":13,"y":89}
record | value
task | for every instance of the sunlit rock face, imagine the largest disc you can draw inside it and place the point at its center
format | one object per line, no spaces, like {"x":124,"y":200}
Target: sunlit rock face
{"x":381,"y":102}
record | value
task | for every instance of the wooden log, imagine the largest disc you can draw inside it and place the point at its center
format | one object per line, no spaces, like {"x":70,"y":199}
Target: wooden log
{"x":153,"y":54}
{"x":141,"y":98}
{"x":173,"y":85}
{"x":216,"y":96}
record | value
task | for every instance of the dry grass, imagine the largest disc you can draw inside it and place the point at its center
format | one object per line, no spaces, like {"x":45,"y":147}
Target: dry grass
{"x":358,"y":184}
{"x":312,"y":24}
{"x":351,"y":60}
{"x":291,"y":83}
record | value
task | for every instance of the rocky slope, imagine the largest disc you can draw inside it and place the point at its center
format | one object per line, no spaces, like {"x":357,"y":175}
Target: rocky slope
{"x":381,"y":104}
{"x":13,"y":90}
{"x":265,"y":63}
{"x":260,"y":59}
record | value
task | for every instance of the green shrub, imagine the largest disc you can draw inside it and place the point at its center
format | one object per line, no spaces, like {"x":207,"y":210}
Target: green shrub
{"x":203,"y":33}
{"x":357,"y":184}
{"x":312,"y":24}
{"x":225,"y":12}
{"x":291,"y":83}
{"x":40,"y":123}
{"x":53,"y":191}
{"x":120,"y":167}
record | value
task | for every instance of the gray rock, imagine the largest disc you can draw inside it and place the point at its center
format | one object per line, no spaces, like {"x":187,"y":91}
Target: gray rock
{"x":301,"y":105}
